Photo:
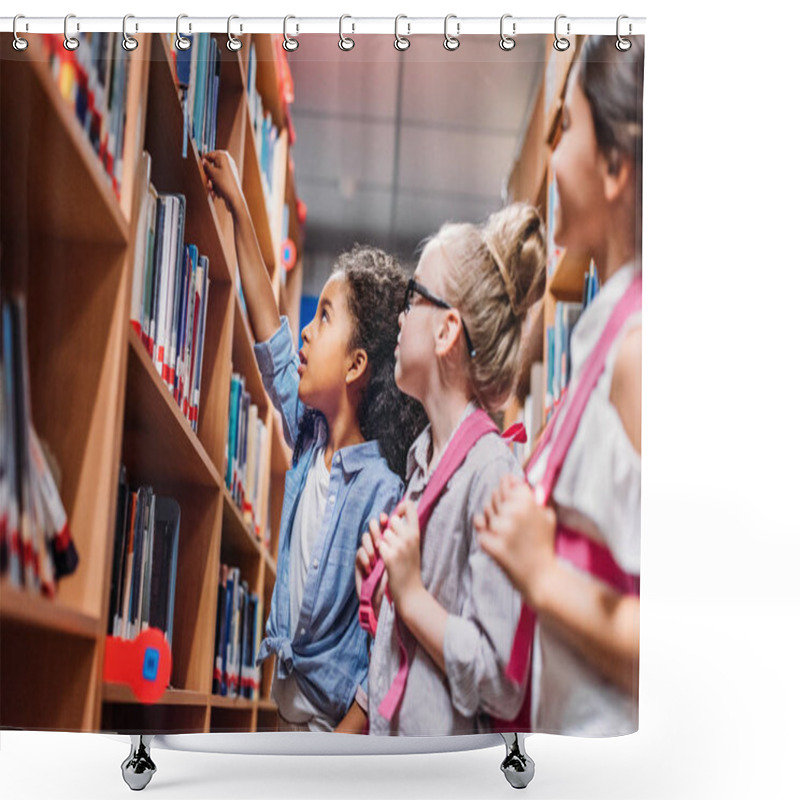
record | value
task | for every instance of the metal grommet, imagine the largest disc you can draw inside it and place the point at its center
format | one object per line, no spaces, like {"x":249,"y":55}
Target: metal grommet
{"x":234,"y":44}
{"x":400,"y":42}
{"x":19,"y":43}
{"x":506,"y":42}
{"x":290,"y":44}
{"x":181,"y":42}
{"x":345,"y":43}
{"x":623,"y":44}
{"x":70,"y":42}
{"x":128,"y":42}
{"x":451,"y":42}
{"x":561,"y":44}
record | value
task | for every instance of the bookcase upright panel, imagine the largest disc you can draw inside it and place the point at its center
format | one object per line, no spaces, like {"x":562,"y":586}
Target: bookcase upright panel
{"x":68,"y":246}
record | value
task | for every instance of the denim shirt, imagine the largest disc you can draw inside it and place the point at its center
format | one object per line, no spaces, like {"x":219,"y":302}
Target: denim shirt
{"x":329,"y":655}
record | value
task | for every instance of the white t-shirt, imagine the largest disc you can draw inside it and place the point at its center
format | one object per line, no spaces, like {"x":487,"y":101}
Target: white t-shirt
{"x":598,"y":493}
{"x":293,"y":705}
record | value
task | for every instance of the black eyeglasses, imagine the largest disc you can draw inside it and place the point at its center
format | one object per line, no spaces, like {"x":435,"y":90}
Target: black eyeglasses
{"x":413,"y":286}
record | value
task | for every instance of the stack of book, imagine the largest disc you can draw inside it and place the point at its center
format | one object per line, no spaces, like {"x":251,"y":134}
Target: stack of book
{"x":554,"y":252}
{"x":557,"y":341}
{"x":93,"y":80}
{"x":238,"y":636}
{"x":590,"y":285}
{"x":272,"y":147}
{"x":145,"y":562}
{"x":169,"y":301}
{"x":246,"y":455}
{"x":557,"y":338}
{"x":36,"y":547}
{"x":197,"y":72}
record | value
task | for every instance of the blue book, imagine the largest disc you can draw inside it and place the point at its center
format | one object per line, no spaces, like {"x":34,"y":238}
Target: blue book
{"x":233,"y":422}
{"x":226,"y":635}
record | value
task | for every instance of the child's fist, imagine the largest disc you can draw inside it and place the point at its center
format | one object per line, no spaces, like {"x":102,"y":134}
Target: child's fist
{"x":222,"y":177}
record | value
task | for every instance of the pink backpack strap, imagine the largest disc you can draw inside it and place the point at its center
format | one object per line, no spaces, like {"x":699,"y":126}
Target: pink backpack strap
{"x":583,"y":552}
{"x":473,"y":428}
{"x":469,"y":432}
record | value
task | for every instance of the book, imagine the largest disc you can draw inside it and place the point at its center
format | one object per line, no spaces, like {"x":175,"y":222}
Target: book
{"x":144,"y":570}
{"x":93,"y":82}
{"x":36,"y":547}
{"x":245,"y":455}
{"x":237,"y":636}
{"x":197,"y":72}
{"x":170,"y":296}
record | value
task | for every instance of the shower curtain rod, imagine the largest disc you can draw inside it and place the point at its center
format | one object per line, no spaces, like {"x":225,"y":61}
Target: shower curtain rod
{"x":298,"y":25}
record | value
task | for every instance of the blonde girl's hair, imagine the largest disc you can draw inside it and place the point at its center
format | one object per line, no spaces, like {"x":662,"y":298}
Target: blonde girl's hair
{"x":495,"y":272}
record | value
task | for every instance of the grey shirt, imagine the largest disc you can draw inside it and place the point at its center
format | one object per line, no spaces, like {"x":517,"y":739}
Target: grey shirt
{"x":483,"y":608}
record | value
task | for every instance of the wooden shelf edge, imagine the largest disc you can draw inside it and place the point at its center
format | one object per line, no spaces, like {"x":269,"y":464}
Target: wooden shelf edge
{"x":122,"y":693}
{"x":31,"y":609}
{"x":243,"y":343}
{"x":566,"y":282}
{"x":232,"y":703}
{"x":143,"y":357}
{"x":236,"y":518}
{"x":36,"y":59}
{"x":281,"y":452}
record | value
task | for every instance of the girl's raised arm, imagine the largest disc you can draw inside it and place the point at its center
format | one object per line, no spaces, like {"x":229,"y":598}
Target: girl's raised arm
{"x":223,"y":182}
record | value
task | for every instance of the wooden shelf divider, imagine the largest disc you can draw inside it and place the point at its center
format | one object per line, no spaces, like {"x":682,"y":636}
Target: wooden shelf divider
{"x":79,"y":285}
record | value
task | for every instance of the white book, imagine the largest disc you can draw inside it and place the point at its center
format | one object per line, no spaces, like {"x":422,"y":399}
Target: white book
{"x":141,"y":202}
{"x":163,"y":281}
{"x":201,"y":340}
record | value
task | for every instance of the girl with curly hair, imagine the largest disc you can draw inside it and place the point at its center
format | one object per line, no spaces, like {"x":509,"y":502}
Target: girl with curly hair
{"x":350,"y":428}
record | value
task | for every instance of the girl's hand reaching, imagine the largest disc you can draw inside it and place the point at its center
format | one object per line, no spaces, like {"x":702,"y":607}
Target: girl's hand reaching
{"x":519,"y":535}
{"x":222,"y":178}
{"x":366,"y":558}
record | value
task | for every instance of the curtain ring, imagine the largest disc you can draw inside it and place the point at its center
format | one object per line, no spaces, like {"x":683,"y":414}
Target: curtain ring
{"x":400,"y":42}
{"x":451,"y":42}
{"x":345,"y":43}
{"x":561,"y":44}
{"x":506,"y":42}
{"x":622,"y":44}
{"x":234,"y":44}
{"x":128,"y":42}
{"x":70,"y":42}
{"x":290,"y":44}
{"x":19,"y":43}
{"x":181,"y":42}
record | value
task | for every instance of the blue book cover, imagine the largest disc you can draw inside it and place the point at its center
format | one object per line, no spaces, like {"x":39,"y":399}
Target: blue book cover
{"x":233,"y":420}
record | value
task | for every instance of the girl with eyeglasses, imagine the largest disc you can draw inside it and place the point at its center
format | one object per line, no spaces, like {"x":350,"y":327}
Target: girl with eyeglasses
{"x":452,"y":609}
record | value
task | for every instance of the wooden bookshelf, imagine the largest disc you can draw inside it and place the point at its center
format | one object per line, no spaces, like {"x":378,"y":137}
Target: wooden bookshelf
{"x":529,"y":180}
{"x":67,"y":244}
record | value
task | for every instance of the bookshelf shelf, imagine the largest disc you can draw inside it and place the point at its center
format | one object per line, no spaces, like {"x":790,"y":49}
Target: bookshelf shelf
{"x":69,"y":195}
{"x":244,"y":358}
{"x":122,"y":694}
{"x":253,"y":189}
{"x":98,"y":401}
{"x":29,"y":609}
{"x":232,"y":703}
{"x":173,"y":173}
{"x":159,"y":440}
{"x":281,"y":452}
{"x":240,"y":542}
{"x":531,"y":179}
{"x":566,"y":282}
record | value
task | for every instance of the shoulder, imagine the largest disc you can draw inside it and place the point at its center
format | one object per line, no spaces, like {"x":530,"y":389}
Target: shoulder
{"x":626,"y":384}
{"x":488,"y":461}
{"x":378,"y":483}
